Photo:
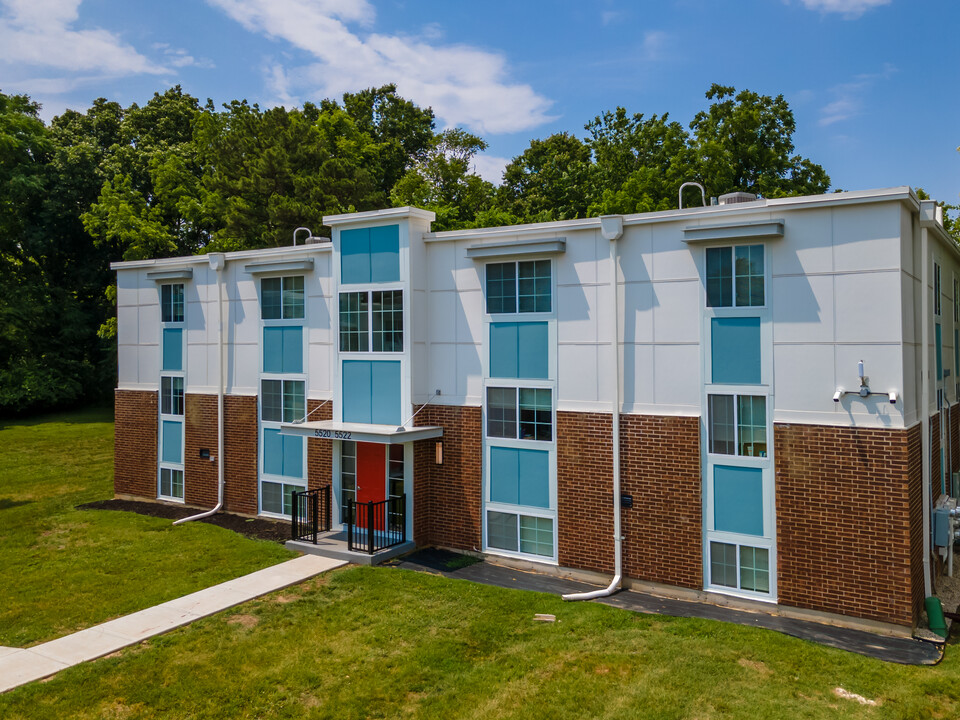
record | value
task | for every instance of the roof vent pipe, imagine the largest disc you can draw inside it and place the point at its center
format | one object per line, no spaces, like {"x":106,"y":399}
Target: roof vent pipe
{"x":309,"y":235}
{"x":611,"y":227}
{"x":703,"y":193}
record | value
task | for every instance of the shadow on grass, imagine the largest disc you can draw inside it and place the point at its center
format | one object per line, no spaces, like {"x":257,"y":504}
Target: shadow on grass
{"x":72,"y":417}
{"x":7,"y":503}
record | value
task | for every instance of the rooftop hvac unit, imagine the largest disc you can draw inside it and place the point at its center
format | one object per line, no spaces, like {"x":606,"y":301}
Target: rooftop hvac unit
{"x":737,"y":197}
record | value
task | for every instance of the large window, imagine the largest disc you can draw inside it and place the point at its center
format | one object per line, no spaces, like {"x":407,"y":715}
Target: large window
{"x":281,"y":298}
{"x":171,"y":303}
{"x":737,"y":424}
{"x":516,"y":532}
{"x":523,"y":286}
{"x":740,"y":566}
{"x":282,"y":400}
{"x":735,"y":276}
{"x":171,"y":455}
{"x":535,"y":414}
{"x":371,"y":320}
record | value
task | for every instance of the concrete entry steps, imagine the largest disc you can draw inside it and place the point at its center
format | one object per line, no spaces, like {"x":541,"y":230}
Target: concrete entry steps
{"x":334,"y":545}
{"x":903,"y":650}
{"x":19,"y":666}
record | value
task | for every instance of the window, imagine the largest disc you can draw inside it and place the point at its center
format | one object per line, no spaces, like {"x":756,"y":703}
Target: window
{"x":282,"y":400}
{"x":171,"y":396}
{"x":371,"y":320}
{"x":519,"y":287}
{"x":535,"y":413}
{"x":277,"y":497}
{"x":752,"y":572}
{"x":171,"y":303}
{"x":348,"y":473}
{"x":395,"y":470}
{"x":936,"y":288}
{"x":171,"y":483}
{"x":735,"y":276}
{"x":738,"y":424}
{"x":517,"y":532}
{"x":281,"y":298}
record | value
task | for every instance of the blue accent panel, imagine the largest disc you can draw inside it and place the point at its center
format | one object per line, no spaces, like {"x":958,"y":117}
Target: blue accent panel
{"x":385,"y":254}
{"x":293,"y":349}
{"x":504,"y":475}
{"x":533,"y":353}
{"x":519,"y":350}
{"x":356,"y":391}
{"x":738,"y":499}
{"x":735,"y":350}
{"x":503,"y":350}
{"x":534,"y":472}
{"x":173,"y":349}
{"x":292,"y":455}
{"x":282,"y":454}
{"x":171,"y":442}
{"x":355,"y":256}
{"x":520,"y":477}
{"x":939,"y":335}
{"x":272,"y":452}
{"x":283,"y":349}
{"x":385,"y":393}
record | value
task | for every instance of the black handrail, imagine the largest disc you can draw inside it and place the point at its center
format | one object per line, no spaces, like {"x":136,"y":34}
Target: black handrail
{"x":310,"y":513}
{"x":374,"y":526}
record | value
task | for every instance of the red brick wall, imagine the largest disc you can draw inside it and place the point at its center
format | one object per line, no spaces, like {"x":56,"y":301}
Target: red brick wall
{"x":915,"y":491}
{"x":135,"y":443}
{"x":240,"y":458}
{"x":447,"y":497}
{"x":844,"y":507}
{"x":585,"y":491}
{"x":200,"y":431}
{"x":660,"y":467}
{"x":319,"y":452}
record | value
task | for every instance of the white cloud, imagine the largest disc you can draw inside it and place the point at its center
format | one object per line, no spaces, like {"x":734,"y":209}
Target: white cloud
{"x":654,"y":45}
{"x":848,"y":8}
{"x":39,"y":33}
{"x":490,"y":168}
{"x":464,"y":85}
{"x":848,"y":97}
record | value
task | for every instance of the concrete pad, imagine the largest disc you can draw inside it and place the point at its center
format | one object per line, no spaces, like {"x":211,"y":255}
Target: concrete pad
{"x":147,"y":623}
{"x":81,"y":646}
{"x":4,"y":650}
{"x":281,"y":576}
{"x":26,"y":666}
{"x":209,"y":601}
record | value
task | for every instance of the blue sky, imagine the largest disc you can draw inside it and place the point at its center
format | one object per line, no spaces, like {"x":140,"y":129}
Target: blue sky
{"x":873,"y":83}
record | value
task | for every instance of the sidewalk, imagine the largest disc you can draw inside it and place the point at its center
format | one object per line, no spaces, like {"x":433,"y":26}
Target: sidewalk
{"x":19,"y":666}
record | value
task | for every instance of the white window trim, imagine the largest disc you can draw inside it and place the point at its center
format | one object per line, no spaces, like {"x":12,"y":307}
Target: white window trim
{"x":359,"y":354}
{"x":520,"y":316}
{"x":182,"y":374}
{"x":733,"y":277}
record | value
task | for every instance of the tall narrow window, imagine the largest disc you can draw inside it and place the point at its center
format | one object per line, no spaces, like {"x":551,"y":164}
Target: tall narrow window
{"x":936,"y":288}
{"x":171,"y":303}
{"x":371,"y":320}
{"x":735,"y":276}
{"x":353,"y":322}
{"x":281,"y":298}
{"x":524,"y":287}
{"x":387,"y":310}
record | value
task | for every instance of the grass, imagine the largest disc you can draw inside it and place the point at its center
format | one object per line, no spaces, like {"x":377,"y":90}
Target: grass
{"x":381,"y":642}
{"x":65,"y":569}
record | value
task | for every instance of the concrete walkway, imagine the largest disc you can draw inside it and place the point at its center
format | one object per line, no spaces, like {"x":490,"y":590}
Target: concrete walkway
{"x":19,"y":666}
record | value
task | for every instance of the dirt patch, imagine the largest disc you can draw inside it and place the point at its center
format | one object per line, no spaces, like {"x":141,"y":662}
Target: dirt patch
{"x":284,"y":599}
{"x":754,"y":665}
{"x":244,"y":621}
{"x":251,"y":527}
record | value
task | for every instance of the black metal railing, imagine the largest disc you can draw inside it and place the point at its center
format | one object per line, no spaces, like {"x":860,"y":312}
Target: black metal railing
{"x":374,"y":526}
{"x":311,"y":513}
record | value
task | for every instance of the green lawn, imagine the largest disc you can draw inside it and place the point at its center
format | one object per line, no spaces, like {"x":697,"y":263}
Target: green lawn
{"x":381,"y":642}
{"x":65,"y":569}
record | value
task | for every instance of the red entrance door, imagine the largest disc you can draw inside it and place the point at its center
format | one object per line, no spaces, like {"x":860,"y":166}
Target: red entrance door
{"x":371,"y":481}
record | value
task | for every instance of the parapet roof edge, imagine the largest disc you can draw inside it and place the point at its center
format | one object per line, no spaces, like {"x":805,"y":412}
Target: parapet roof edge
{"x":902,"y":193}
{"x":260,"y":254}
{"x":407,"y":211}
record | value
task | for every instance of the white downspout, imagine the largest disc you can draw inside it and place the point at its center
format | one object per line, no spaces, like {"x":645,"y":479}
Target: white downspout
{"x":217,"y":262}
{"x":925,"y":404}
{"x":611,"y":228}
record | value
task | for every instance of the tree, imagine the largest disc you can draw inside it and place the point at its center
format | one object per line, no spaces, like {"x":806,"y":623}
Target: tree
{"x":550,"y":180}
{"x":744,"y":141}
{"x":442,"y":181}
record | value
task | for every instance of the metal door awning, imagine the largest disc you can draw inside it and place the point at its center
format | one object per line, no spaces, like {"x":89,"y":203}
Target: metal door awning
{"x":361,"y":432}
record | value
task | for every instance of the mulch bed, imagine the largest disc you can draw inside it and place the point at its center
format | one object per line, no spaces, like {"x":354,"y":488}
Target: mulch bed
{"x":258,"y":528}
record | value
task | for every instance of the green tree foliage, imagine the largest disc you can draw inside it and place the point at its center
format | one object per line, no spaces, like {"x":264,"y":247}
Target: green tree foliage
{"x":550,"y":180}
{"x":744,"y":141}
{"x":443,"y":182}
